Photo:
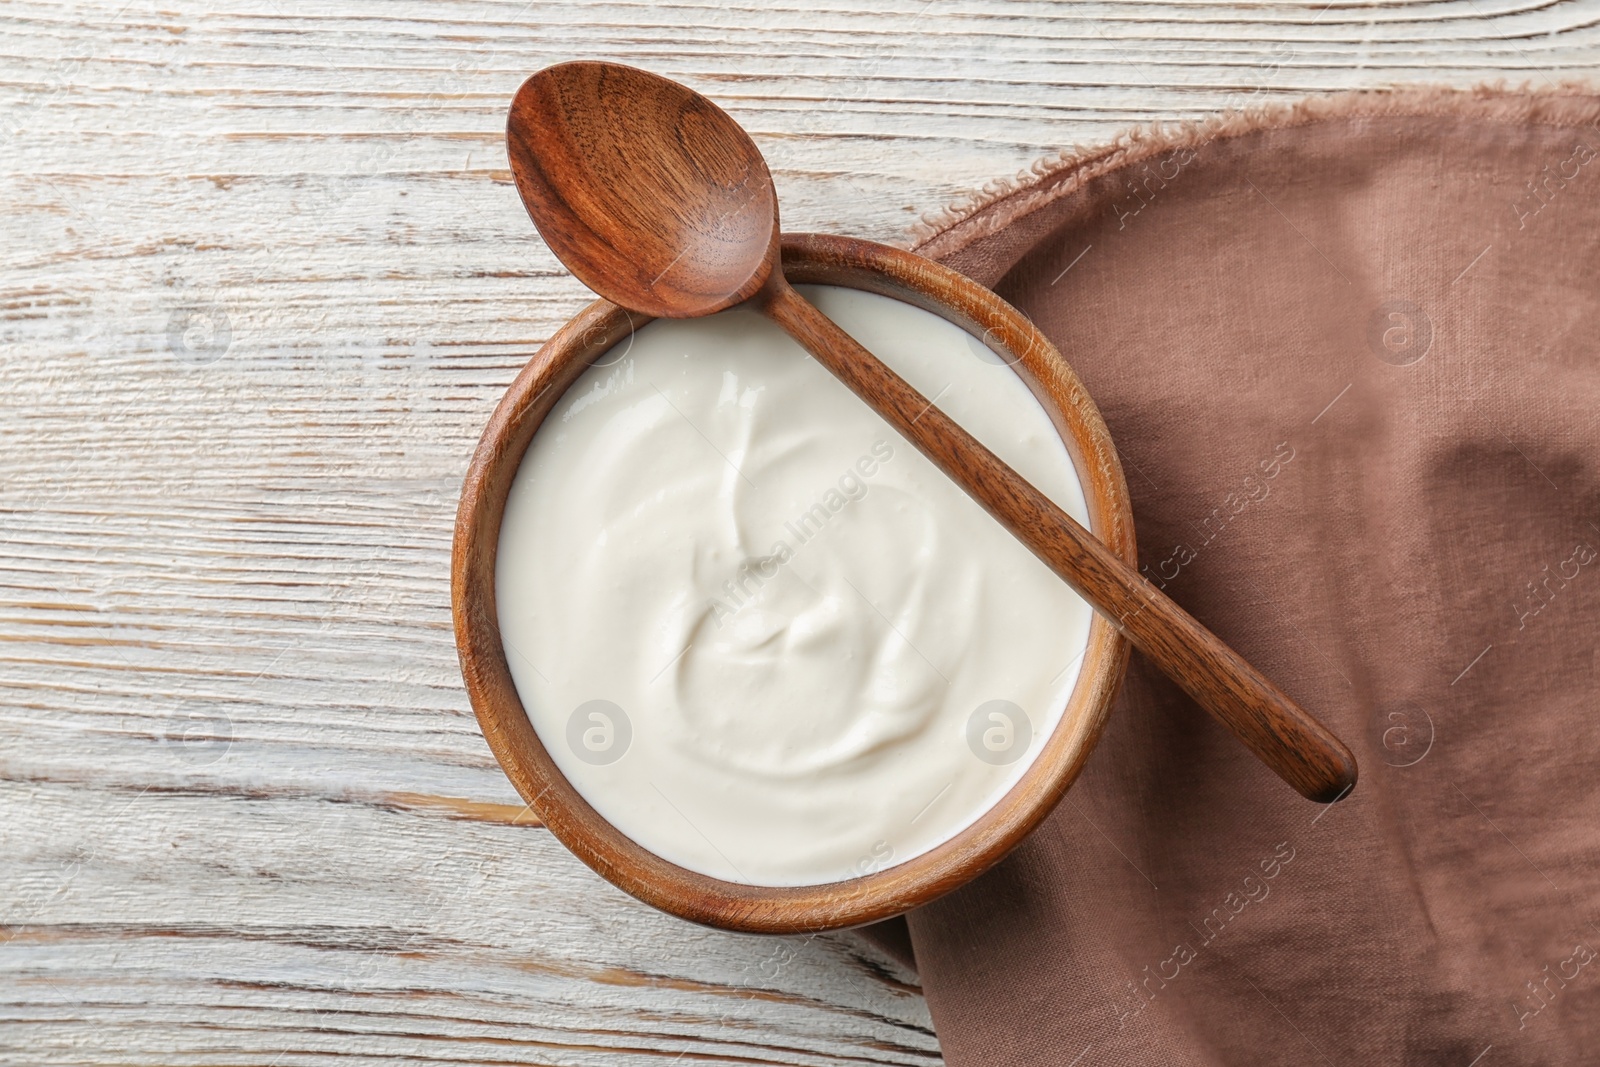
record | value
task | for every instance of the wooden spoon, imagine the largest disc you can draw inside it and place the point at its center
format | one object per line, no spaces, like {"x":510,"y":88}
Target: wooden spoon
{"x":658,"y":201}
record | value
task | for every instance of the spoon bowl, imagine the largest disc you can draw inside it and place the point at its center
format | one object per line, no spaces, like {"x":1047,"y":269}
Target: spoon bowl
{"x":591,"y":162}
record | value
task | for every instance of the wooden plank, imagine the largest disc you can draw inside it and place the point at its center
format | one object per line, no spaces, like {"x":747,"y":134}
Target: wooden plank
{"x":245,"y":813}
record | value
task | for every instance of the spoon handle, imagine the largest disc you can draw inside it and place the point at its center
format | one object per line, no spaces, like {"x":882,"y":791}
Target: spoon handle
{"x":1300,"y":749}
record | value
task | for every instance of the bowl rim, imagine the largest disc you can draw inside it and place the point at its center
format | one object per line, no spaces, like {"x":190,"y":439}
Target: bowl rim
{"x":807,"y":259}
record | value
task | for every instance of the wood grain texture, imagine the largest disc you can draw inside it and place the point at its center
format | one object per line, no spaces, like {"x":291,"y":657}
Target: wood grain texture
{"x":649,"y":193}
{"x":245,"y":813}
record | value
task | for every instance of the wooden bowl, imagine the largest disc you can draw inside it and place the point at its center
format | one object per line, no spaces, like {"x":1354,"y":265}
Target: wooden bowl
{"x":812,"y":258}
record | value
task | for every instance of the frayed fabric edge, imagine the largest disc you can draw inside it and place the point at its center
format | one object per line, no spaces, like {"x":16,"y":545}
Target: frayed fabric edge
{"x":998,"y":203}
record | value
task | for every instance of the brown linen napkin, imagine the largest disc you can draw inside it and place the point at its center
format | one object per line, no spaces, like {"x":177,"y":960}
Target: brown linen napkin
{"x":1348,"y":352}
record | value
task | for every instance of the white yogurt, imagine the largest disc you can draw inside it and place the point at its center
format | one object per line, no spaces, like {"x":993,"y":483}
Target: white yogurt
{"x":756,"y":629}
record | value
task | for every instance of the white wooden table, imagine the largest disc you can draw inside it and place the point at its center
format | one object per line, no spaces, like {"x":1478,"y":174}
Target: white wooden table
{"x":264,"y":276}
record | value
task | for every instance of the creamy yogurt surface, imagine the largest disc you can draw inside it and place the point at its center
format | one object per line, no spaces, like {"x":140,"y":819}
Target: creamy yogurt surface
{"x":759,"y":632}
